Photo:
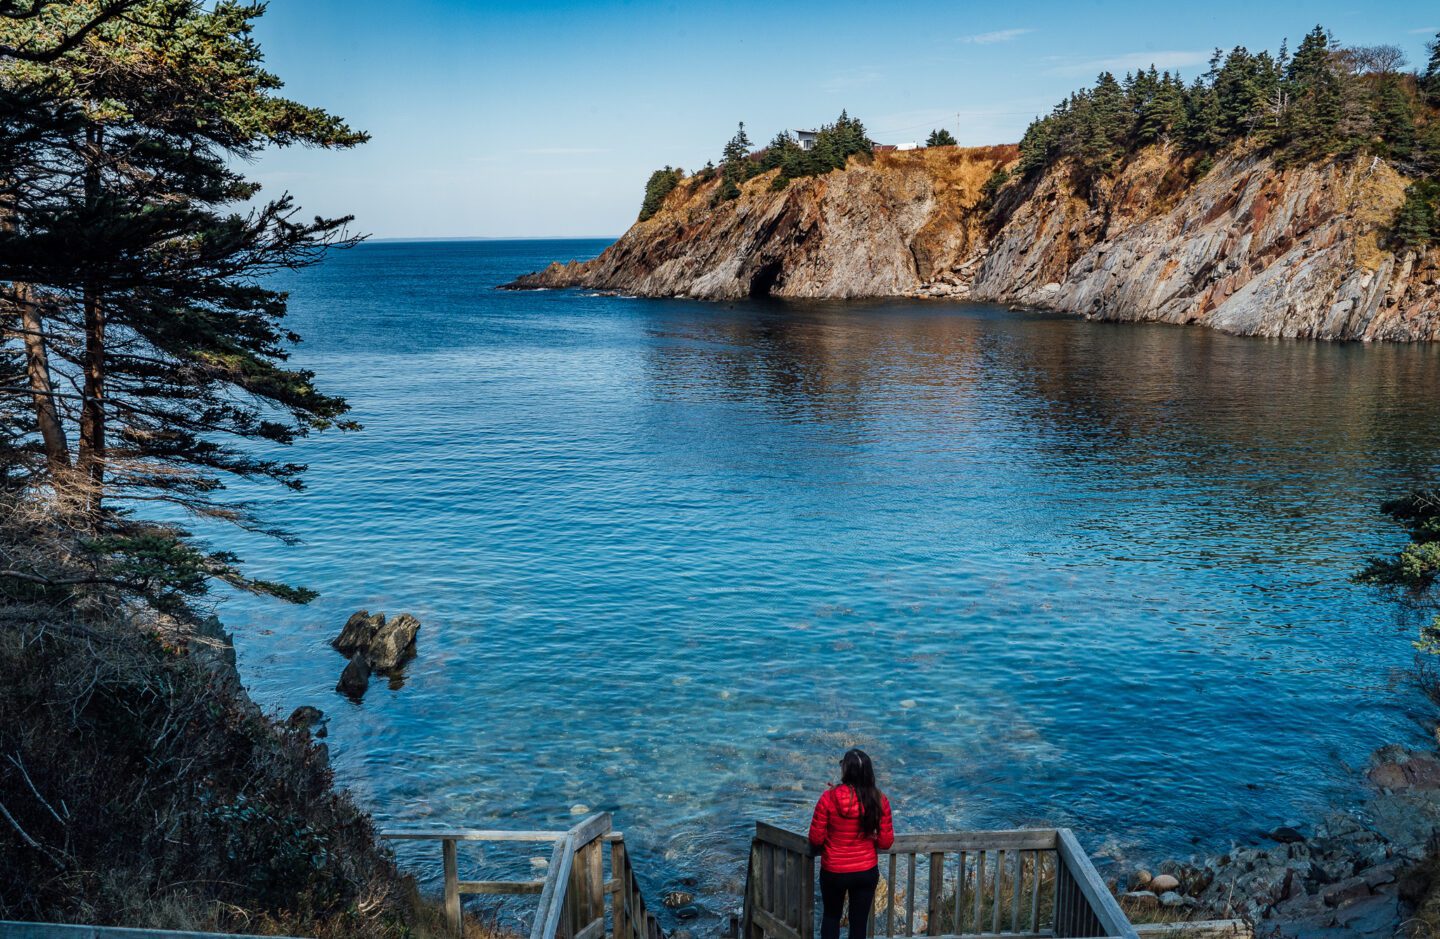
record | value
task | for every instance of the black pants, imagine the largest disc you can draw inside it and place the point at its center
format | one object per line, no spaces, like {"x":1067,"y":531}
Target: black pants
{"x":860,"y":886}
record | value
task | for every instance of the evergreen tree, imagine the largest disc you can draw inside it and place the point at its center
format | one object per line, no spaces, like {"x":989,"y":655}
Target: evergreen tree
{"x":147,"y":277}
{"x":734,"y":165}
{"x":1164,"y":111}
{"x":1105,"y":125}
{"x":1311,"y":127}
{"x":660,"y":185}
{"x":33,"y":36}
{"x":1037,"y":143}
{"x":1202,"y":117}
{"x":940,"y":138}
{"x":1394,"y":119}
{"x":1415,"y":225}
{"x":1430,"y":80}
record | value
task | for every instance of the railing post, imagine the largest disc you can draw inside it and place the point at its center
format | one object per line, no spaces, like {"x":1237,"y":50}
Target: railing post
{"x":618,"y":926}
{"x":807,"y":897}
{"x":937,"y":895}
{"x":452,"y":885}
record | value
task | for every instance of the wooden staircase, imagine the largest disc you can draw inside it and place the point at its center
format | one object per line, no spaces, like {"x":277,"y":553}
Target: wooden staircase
{"x":1027,"y":884}
{"x":1023,"y":884}
{"x":589,"y":890}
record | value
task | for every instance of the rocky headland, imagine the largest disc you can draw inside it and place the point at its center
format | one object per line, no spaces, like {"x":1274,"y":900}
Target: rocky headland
{"x":1246,"y":245}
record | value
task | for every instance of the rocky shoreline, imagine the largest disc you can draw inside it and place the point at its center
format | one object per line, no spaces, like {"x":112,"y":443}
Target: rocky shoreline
{"x":1358,"y":873}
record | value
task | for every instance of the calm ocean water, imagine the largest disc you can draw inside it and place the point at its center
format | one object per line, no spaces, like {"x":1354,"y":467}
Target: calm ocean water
{"x":672,"y":557}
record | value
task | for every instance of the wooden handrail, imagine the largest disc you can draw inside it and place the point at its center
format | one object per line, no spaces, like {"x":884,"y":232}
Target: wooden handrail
{"x":574,"y":892}
{"x":1023,"y":882}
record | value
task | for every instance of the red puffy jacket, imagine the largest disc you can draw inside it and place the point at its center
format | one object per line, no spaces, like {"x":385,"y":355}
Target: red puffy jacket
{"x":836,"y":828}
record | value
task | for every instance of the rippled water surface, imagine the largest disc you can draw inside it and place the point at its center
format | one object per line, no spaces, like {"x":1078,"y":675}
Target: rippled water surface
{"x":672,"y":557}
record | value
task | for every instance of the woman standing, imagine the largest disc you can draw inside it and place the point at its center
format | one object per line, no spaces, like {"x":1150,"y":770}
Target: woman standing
{"x":852,"y":820}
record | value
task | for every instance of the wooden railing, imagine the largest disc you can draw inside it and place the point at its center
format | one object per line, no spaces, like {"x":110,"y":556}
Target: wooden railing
{"x":1026,"y":883}
{"x":576,"y":887}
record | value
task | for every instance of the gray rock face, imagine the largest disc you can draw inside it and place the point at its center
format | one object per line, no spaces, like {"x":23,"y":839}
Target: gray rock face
{"x":1248,"y":248}
{"x":358,"y":631}
{"x":392,"y":643}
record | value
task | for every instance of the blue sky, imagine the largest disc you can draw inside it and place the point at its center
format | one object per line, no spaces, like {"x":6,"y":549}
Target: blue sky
{"x":544,"y":119}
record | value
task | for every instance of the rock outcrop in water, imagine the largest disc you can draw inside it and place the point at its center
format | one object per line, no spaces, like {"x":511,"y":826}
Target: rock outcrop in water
{"x":1249,"y":247}
{"x":373,"y":645}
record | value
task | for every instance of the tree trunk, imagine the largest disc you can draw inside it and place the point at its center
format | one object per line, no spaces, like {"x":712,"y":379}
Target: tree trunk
{"x":92,"y":408}
{"x":92,"y":413}
{"x":37,"y":364}
{"x":42,"y":389}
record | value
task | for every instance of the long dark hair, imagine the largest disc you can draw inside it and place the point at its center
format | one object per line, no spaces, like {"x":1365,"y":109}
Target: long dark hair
{"x":857,"y":772}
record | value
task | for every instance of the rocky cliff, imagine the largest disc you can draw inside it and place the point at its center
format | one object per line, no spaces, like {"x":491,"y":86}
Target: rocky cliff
{"x":1247,"y":247}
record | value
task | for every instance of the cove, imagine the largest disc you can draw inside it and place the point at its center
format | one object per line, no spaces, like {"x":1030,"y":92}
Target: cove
{"x":672,"y":557}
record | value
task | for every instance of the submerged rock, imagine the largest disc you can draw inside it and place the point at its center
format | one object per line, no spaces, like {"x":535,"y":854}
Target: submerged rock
{"x":308,"y":717}
{"x":1398,"y":768}
{"x":1285,"y":835}
{"x":356,"y":678}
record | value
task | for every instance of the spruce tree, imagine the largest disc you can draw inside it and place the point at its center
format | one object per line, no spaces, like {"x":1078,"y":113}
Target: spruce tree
{"x":148,"y":274}
{"x":660,"y":185}
{"x":1415,"y":224}
{"x":1430,"y":78}
{"x":734,"y":165}
{"x":940,"y":138}
{"x":1311,"y":128}
{"x":1164,"y":111}
{"x":1394,"y":117}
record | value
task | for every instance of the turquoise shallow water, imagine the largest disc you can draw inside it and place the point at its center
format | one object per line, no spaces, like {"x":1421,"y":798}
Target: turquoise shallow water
{"x":672,"y":557}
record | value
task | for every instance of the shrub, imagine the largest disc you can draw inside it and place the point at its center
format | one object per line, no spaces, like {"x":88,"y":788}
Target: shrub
{"x":142,"y":787}
{"x":993,"y":185}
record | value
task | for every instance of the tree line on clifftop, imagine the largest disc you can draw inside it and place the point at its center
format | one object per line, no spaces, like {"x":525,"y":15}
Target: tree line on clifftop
{"x":1325,"y":100}
{"x":834,"y":145}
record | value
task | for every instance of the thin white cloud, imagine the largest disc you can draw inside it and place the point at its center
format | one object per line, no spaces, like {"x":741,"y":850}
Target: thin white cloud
{"x":563,"y":151}
{"x":999,"y":35}
{"x":1133,"y":61}
{"x":1425,"y":31}
{"x":851,"y":80}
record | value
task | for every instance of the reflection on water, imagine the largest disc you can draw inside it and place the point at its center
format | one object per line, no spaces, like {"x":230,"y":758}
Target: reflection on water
{"x":673,"y":557}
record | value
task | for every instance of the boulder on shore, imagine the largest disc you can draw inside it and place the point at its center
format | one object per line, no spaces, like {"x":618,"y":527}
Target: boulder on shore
{"x":1163,"y":884}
